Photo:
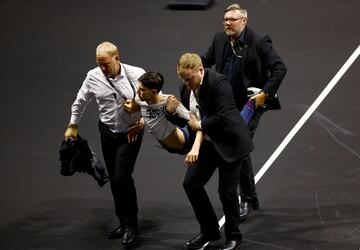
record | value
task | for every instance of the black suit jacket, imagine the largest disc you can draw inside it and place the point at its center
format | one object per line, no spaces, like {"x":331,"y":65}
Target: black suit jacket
{"x":221,"y":119}
{"x":76,"y":156}
{"x":261,"y":66}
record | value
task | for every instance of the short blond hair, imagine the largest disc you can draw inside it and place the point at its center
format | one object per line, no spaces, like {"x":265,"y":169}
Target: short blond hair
{"x":236,"y":6}
{"x":189,"y":61}
{"x":106,"y":49}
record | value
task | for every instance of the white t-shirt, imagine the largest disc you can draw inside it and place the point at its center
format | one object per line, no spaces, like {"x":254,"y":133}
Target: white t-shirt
{"x":155,"y":117}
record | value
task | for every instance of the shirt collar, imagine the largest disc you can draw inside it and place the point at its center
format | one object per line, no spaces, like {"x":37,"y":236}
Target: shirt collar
{"x":121,"y":75}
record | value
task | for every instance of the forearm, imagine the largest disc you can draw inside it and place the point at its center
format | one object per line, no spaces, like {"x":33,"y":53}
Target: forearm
{"x":273,"y":83}
{"x":79,"y":106}
{"x":199,"y":138}
{"x":193,"y":155}
{"x":183,"y":112}
{"x":77,"y":111}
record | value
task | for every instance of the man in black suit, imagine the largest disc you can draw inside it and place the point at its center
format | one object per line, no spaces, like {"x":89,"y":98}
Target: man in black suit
{"x":226,"y":141}
{"x":247,"y":59}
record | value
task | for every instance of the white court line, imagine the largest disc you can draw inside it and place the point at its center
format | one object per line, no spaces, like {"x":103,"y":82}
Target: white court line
{"x":304,"y":118}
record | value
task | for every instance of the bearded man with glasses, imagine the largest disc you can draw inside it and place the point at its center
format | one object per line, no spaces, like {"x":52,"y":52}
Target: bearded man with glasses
{"x":249,"y":62}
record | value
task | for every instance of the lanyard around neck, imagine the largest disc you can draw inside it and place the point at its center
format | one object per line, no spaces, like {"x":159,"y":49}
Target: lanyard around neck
{"x":130,"y":80}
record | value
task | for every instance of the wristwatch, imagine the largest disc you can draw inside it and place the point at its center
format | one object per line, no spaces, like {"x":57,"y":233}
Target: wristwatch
{"x":71,"y":125}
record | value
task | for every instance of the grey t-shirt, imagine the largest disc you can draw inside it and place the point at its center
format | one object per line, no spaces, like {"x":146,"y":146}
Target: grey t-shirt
{"x":155,"y":117}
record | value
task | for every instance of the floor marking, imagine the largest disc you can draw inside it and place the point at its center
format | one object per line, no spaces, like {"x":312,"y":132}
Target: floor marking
{"x":308,"y":113}
{"x":303,"y":119}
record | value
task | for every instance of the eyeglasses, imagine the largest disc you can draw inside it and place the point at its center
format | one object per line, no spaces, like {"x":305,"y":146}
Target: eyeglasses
{"x":231,"y":20}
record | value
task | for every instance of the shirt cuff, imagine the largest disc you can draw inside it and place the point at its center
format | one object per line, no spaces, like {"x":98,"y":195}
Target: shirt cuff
{"x":74,"y":120}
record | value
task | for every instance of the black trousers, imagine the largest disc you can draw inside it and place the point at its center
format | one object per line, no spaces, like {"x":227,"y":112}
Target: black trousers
{"x":247,"y":182}
{"x":198,"y":175}
{"x":120,"y":157}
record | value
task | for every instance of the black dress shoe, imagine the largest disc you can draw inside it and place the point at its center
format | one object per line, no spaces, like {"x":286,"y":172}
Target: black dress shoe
{"x":246,"y":209}
{"x":130,"y":237}
{"x":200,"y":240}
{"x":117,"y":233}
{"x":231,"y":245}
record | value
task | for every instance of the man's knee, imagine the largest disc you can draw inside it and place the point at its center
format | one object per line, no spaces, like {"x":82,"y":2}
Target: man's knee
{"x":189,"y":184}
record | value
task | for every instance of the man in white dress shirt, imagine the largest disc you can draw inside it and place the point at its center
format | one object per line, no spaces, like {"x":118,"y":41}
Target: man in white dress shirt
{"x":110,"y":84}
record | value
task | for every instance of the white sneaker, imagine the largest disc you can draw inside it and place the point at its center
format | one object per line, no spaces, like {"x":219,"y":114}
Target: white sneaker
{"x":251,"y":91}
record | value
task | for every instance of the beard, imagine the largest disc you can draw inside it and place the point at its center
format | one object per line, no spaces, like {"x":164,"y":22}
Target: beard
{"x":232,"y":33}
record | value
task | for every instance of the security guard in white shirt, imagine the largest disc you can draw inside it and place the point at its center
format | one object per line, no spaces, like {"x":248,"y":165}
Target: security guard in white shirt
{"x":110,"y":84}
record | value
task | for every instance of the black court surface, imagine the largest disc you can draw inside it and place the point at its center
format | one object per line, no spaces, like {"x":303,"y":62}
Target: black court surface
{"x":309,"y":197}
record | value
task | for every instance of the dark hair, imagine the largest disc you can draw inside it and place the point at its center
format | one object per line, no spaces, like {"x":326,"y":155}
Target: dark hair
{"x":152,"y":80}
{"x":235,"y":6}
